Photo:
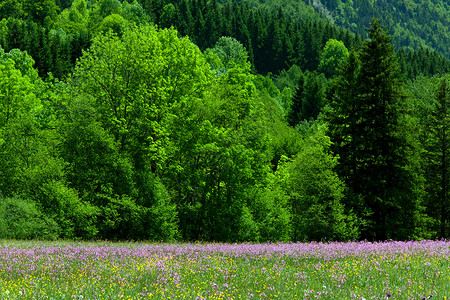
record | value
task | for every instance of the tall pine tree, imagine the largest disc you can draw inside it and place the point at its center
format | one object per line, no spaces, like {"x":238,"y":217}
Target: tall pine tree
{"x":438,"y":161}
{"x":373,"y":154}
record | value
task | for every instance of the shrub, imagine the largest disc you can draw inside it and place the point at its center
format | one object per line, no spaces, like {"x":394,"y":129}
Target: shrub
{"x":22,"y":219}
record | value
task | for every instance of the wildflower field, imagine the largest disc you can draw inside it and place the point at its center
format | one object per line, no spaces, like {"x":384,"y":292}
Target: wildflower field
{"x":357,"y":270}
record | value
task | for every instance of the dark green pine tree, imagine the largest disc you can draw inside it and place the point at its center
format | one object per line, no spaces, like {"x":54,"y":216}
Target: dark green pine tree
{"x":313,"y":96}
{"x":186,"y":20}
{"x":294,"y":114}
{"x":345,"y":109}
{"x":438,"y":161}
{"x":375,"y":171}
{"x":258,"y":35}
{"x":60,"y":53}
{"x":312,"y":46}
{"x":44,"y":57}
{"x":80,"y":41}
{"x":211,"y":22}
{"x":200,"y":29}
{"x":39,"y":10}
{"x":15,"y":36}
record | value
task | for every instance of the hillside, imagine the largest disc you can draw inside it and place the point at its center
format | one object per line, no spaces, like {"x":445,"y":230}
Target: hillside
{"x":412,"y":23}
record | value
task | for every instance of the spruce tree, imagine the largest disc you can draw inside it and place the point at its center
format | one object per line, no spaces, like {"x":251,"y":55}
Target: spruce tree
{"x":313,"y":96}
{"x":294,"y":114}
{"x":437,"y":153}
{"x":372,"y":151}
{"x":344,"y":114}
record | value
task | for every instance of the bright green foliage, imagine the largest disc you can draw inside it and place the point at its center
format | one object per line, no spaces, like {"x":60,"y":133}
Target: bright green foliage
{"x":137,"y":84}
{"x":161,"y":218}
{"x":272,"y":213}
{"x":149,"y":138}
{"x":18,"y":106}
{"x":213,"y":163}
{"x":287,"y":82}
{"x":136,"y":80}
{"x":16,"y":92}
{"x":104,"y":15}
{"x":29,"y":162}
{"x":333,"y":55}
{"x":22,"y":219}
{"x":23,"y":62}
{"x":113,"y":22}
{"x":230,"y":52}
{"x":315,"y":192}
{"x":76,"y":17}
{"x":75,"y":218}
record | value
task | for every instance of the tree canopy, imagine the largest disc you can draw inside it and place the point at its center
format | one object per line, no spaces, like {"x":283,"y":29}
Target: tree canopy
{"x":217,"y":121}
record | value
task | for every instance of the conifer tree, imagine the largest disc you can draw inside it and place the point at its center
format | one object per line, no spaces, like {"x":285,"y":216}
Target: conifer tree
{"x":374,"y":169}
{"x":294,"y":114}
{"x":438,"y":160}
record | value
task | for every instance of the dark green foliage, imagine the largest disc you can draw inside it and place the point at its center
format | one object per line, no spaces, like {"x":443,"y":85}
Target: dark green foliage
{"x":263,"y":32}
{"x":40,"y":11}
{"x":309,"y":98}
{"x":95,"y":168}
{"x":11,"y":9}
{"x":413,"y":23}
{"x":286,"y":35}
{"x":295,"y":112}
{"x":423,"y":62}
{"x":313,"y":97}
{"x":364,"y":125}
{"x":437,"y":147}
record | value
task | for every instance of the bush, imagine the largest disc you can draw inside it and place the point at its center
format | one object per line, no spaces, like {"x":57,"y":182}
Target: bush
{"x":22,"y":219}
{"x":76,"y":218}
{"x":270,"y":210}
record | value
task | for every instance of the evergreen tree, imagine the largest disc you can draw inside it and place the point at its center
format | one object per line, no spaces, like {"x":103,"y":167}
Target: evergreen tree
{"x":313,"y":96}
{"x":344,"y":111}
{"x":438,"y":160}
{"x":375,"y":168}
{"x":294,"y":114}
{"x":39,"y":10}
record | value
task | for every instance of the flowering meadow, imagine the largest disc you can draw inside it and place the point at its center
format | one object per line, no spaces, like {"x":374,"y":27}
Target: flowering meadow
{"x":356,"y":270}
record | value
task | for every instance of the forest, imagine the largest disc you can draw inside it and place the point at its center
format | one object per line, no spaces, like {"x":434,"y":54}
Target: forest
{"x":196,"y":120}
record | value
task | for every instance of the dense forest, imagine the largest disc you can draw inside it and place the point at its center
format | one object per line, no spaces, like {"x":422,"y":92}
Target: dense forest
{"x":222,"y":121}
{"x":414,"y":23}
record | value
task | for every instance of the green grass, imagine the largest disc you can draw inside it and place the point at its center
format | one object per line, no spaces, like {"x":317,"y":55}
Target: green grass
{"x":74,"y":270}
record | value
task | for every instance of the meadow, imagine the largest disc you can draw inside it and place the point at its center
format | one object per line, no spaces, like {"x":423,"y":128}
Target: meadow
{"x":103,"y":270}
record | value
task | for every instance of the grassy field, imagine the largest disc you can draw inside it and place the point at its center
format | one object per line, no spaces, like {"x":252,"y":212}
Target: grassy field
{"x":359,"y":270}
